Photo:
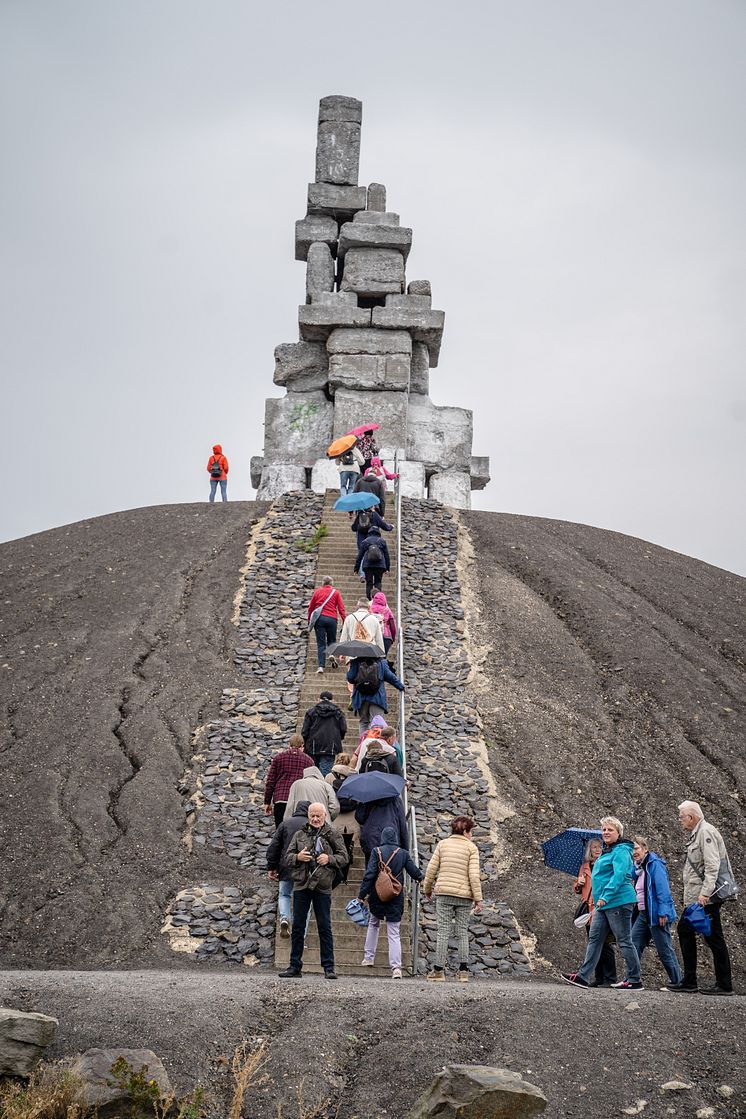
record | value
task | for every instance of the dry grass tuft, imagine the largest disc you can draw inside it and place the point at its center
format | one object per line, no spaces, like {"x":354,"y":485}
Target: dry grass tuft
{"x":246,"y":1066}
{"x":52,"y":1092}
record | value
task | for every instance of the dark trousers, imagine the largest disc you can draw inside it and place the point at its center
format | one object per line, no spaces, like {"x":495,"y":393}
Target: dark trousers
{"x":373,"y":576}
{"x":605,"y":973}
{"x":279,"y":811}
{"x":326,"y":634}
{"x":715,"y":942}
{"x":322,"y":908}
{"x":387,"y":643}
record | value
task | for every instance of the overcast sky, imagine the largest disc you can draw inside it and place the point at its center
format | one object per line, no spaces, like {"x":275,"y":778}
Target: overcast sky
{"x":574,"y":175}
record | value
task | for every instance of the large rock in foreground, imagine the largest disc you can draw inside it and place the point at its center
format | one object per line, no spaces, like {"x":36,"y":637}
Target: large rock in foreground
{"x":479,"y":1092}
{"x":23,"y":1038}
{"x":110,"y":1089}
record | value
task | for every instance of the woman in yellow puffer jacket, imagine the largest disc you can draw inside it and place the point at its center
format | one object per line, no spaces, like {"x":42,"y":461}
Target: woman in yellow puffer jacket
{"x":453,"y":876}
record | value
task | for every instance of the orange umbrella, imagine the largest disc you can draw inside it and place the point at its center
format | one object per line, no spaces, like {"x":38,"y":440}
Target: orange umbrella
{"x":339,"y":446}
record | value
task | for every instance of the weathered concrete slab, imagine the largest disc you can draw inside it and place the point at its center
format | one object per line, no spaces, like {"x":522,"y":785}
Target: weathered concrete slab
{"x":317,"y":320}
{"x":256,"y":466}
{"x":341,"y":202}
{"x":319,"y":270}
{"x":419,"y":378}
{"x":419,"y":287}
{"x":376,"y":197}
{"x":315,"y":227}
{"x":297,"y":428}
{"x":302,"y":366}
{"x":23,"y":1038}
{"x":371,"y":272}
{"x":279,"y":478}
{"x":369,"y":371}
{"x":335,"y":107}
{"x":411,"y":302}
{"x":374,"y":217}
{"x":425,"y":326}
{"x":479,"y":471}
{"x":334,"y":298}
{"x":439,"y":437}
{"x":411,"y":477}
{"x":324,"y":475}
{"x":451,"y":487}
{"x":338,"y":152}
{"x":109,"y":1099}
{"x":346,"y":341}
{"x":389,"y":409}
{"x":370,"y":235}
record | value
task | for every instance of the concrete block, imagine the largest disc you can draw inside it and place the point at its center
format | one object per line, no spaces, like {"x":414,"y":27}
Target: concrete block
{"x":279,"y":478}
{"x":479,"y":471}
{"x":324,"y":475}
{"x":319,"y":270}
{"x":414,"y":302}
{"x":451,"y":487}
{"x":316,"y":321}
{"x":377,"y":197}
{"x":419,"y":287}
{"x":389,"y":409}
{"x":369,"y":371}
{"x":338,"y":152}
{"x":372,"y":272}
{"x":297,"y":428}
{"x":374,"y":217}
{"x":368,"y":235}
{"x":302,"y":366}
{"x":336,"y":107}
{"x":419,"y":378}
{"x":340,"y":202}
{"x":345,"y":341}
{"x":424,"y":326}
{"x":256,"y":466}
{"x":411,"y":478}
{"x":315,"y":227}
{"x":439,"y":437}
{"x":24,"y":1035}
{"x":335,"y":298}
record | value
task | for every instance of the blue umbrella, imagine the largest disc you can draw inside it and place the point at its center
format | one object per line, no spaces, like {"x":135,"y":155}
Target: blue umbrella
{"x":697,"y":918}
{"x":362,"y":500}
{"x":374,"y":785}
{"x":565,"y":851}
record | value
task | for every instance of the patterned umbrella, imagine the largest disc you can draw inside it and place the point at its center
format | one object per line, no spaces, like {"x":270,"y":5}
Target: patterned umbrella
{"x":565,"y":851}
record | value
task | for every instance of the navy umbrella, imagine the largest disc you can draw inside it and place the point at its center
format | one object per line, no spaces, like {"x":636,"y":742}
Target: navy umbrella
{"x":565,"y":851}
{"x":370,"y":786}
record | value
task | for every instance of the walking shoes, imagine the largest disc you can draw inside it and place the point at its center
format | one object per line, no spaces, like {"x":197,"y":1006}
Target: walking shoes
{"x":573,"y":979}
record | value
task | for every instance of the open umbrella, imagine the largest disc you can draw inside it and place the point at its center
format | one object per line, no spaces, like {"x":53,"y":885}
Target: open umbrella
{"x":362,"y":428}
{"x":354,"y":649}
{"x":565,"y":851}
{"x":339,"y":446}
{"x":362,"y":500}
{"x":374,"y":785}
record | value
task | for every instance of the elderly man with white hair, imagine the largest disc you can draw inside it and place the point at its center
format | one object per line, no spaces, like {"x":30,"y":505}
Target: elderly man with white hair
{"x":706,"y":857}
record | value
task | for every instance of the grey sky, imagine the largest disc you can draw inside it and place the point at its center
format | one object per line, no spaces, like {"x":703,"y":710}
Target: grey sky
{"x":574,"y":174}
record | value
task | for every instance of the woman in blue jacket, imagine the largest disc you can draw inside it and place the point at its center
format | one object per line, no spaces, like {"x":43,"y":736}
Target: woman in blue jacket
{"x":655,"y":909}
{"x":614,"y":897}
{"x":367,"y":703}
{"x":398,"y":860}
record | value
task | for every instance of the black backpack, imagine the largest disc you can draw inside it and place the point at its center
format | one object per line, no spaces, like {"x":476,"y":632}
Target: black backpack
{"x":216,"y":469}
{"x":373,"y":556}
{"x":348,"y":458}
{"x":346,"y":804}
{"x":363,"y":520}
{"x":368,"y":679}
{"x":376,"y":765}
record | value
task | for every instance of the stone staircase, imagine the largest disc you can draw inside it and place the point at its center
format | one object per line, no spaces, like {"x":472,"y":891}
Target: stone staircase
{"x":336,"y":558}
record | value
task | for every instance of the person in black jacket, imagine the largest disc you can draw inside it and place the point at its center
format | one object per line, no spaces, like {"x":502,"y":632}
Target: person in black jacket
{"x":365,"y":519}
{"x":398,"y":860}
{"x":276,"y":870}
{"x":324,"y":727}
{"x":369,"y":483}
{"x":373,"y":555}
{"x":376,"y":816}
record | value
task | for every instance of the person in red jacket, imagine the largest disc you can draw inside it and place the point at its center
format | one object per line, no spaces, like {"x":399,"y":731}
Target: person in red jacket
{"x":325,"y":604}
{"x":217,"y":468}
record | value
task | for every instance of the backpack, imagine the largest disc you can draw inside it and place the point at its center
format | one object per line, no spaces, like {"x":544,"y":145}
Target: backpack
{"x":368,"y":679}
{"x":348,"y":458}
{"x":373,"y":556}
{"x":216,"y":469}
{"x":346,"y":804}
{"x":361,"y":633}
{"x":375,"y":764}
{"x":388,"y":885}
{"x":363,"y":520}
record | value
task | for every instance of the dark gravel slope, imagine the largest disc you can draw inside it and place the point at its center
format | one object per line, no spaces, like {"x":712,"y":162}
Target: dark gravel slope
{"x":116,"y":642}
{"x":612,"y":679}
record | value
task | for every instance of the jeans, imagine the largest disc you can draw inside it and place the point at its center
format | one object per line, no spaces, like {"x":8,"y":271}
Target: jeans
{"x":715,"y":942}
{"x":393,"y":931}
{"x":322,"y":908}
{"x":214,"y":482}
{"x":326,"y":634}
{"x":373,"y":576}
{"x":387,"y":643}
{"x":643,"y":932}
{"x":618,"y":921}
{"x":347,"y":480}
{"x":605,"y":972}
{"x":284,"y":901}
{"x":324,"y":763}
{"x":367,"y":713}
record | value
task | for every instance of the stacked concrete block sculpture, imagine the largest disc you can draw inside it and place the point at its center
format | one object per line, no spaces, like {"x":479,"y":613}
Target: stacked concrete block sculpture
{"x":368,"y":341}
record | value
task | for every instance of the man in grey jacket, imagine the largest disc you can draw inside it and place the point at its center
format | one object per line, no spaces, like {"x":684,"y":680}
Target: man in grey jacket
{"x":705,"y":855}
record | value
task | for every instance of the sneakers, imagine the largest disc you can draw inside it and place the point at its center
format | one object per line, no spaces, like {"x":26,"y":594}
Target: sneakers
{"x":627,"y":985}
{"x":290,"y":973}
{"x":716,"y":990}
{"x":463,"y":975}
{"x":333,"y":662}
{"x":396,"y":973}
{"x":367,"y":963}
{"x":319,"y":671}
{"x":682,"y":988}
{"x":330,"y":973}
{"x":285,"y":928}
{"x":573,"y":979}
{"x":437,"y":976}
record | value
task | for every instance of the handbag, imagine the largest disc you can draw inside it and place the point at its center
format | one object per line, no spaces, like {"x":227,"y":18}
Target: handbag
{"x":726,"y":887}
{"x":388,"y":885}
{"x":317,"y":612}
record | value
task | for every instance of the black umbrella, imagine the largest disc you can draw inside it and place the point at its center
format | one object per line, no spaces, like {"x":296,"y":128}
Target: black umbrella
{"x":353,"y":649}
{"x":374,"y":785}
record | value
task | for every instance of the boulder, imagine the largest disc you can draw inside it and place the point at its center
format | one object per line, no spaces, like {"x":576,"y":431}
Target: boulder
{"x":23,"y":1038}
{"x":336,"y":107}
{"x":439,"y":437}
{"x":424,"y":325}
{"x":479,"y":1092}
{"x":419,"y":377}
{"x":376,"y":197}
{"x":389,"y":409}
{"x":479,"y":471}
{"x":372,"y":272}
{"x":369,"y":371}
{"x":338,"y":152}
{"x":370,"y":235}
{"x":346,"y":341}
{"x":112,"y":1100}
{"x":315,"y":227}
{"x":319,"y":270}
{"x":303,"y":366}
{"x":297,"y":428}
{"x":324,"y":475}
{"x":256,"y":465}
{"x":316,"y":321}
{"x":341,"y":202}
{"x":419,"y":287}
{"x":376,"y":217}
{"x":452,"y":488}
{"x":279,"y":478}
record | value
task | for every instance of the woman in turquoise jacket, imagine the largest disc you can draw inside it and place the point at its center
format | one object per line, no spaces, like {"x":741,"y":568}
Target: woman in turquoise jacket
{"x":614,"y":896}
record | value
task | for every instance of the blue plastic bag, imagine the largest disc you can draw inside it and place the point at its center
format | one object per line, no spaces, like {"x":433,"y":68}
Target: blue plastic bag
{"x":697,"y":918}
{"x":358,"y":913}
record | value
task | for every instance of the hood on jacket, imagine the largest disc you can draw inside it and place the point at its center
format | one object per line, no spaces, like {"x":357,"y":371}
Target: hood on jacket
{"x":377,"y":748}
{"x":378,"y":721}
{"x":374,"y":530}
{"x":326,"y":707}
{"x":302,"y":809}
{"x":619,"y":843}
{"x":379,"y":600}
{"x":389,"y":835}
{"x":217,"y":449}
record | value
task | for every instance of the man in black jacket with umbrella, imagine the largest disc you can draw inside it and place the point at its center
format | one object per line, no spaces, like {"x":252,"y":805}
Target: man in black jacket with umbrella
{"x":324,"y":727}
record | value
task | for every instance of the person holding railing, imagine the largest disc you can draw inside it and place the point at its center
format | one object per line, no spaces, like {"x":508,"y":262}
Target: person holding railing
{"x":398,"y":860}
